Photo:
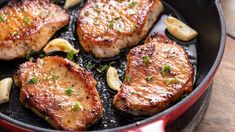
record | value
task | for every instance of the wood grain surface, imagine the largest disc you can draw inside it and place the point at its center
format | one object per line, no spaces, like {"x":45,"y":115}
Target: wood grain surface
{"x":220,"y":116}
{"x":229,"y":15}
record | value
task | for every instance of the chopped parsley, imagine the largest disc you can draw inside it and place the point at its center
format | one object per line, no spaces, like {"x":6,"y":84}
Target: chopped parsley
{"x":183,"y":96}
{"x":42,"y":55}
{"x":29,"y":57}
{"x":2,"y":19}
{"x":111,"y":23}
{"x":116,"y":18}
{"x":70,"y":55}
{"x":56,"y":1}
{"x":134,"y":28}
{"x":146,"y":60}
{"x":102,"y":68}
{"x":68,"y":91}
{"x":26,"y":20}
{"x":128,"y":79}
{"x":149,"y":78}
{"x":90,"y":66}
{"x":169,"y":81}
{"x":166,"y":69}
{"x":77,"y":106}
{"x":112,"y":63}
{"x":132,"y":4}
{"x":96,"y":22}
{"x":54,"y":76}
{"x":33,"y":81}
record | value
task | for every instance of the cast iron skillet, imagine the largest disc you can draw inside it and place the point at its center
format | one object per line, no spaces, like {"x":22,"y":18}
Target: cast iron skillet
{"x":205,"y":53}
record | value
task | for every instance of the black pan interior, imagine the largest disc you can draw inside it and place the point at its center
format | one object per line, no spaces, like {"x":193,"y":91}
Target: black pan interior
{"x":111,"y":118}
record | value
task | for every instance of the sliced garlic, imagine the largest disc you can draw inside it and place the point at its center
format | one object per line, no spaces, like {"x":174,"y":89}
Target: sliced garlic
{"x":179,"y":29}
{"x":71,"y":3}
{"x":112,"y":79}
{"x":59,"y":44}
{"x":5,"y":88}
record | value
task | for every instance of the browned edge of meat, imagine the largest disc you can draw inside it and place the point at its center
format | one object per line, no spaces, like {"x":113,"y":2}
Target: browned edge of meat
{"x":27,"y":26}
{"x":147,"y":90}
{"x":104,"y":28}
{"x":48,"y":98}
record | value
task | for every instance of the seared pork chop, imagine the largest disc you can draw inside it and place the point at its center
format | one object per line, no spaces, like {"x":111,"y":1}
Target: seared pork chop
{"x":59,"y":91}
{"x":27,"y":26}
{"x":104,"y":27}
{"x":158,"y":73}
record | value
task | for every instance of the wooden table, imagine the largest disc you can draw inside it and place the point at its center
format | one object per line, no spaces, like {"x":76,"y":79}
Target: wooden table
{"x":220,"y":116}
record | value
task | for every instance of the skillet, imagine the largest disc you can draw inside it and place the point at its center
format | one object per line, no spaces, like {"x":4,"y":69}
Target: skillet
{"x":205,"y":53}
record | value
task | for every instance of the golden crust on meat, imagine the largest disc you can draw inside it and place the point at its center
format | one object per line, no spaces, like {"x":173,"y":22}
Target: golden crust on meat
{"x":105,"y":27}
{"x":52,"y":87}
{"x":153,"y":82}
{"x":27,"y":26}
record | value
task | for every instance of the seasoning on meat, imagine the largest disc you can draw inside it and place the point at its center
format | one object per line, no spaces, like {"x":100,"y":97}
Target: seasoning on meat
{"x":59,"y":91}
{"x":27,"y":25}
{"x":106,"y":27}
{"x":149,"y":89}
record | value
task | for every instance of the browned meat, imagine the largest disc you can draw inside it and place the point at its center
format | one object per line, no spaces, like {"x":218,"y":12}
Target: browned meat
{"x":105,"y":27}
{"x":158,"y":73}
{"x":27,"y":26}
{"x":59,"y":91}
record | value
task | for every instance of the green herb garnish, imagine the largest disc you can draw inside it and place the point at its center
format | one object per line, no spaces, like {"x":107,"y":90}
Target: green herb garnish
{"x":134,"y":28}
{"x":146,"y":60}
{"x":149,"y":78}
{"x":169,"y":81}
{"x":128,"y":78}
{"x":68,"y":91}
{"x":183,"y":96}
{"x":42,"y":55}
{"x":26,"y":20}
{"x":56,"y":1}
{"x":70,"y":55}
{"x":96,"y":22}
{"x":132,"y":4}
{"x":90,"y":66}
{"x":33,"y":81}
{"x":54,"y":76}
{"x":2,"y":19}
{"x":111,"y":23}
{"x":166,"y":69}
{"x":112,"y":63}
{"x":77,"y":106}
{"x":116,"y":18}
{"x":102,"y":68}
{"x":29,"y":57}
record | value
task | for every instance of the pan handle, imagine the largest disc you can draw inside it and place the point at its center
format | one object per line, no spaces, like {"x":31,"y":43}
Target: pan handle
{"x":153,"y":126}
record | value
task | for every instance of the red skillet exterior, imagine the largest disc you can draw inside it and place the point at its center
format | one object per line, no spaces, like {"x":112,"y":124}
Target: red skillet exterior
{"x":158,"y":122}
